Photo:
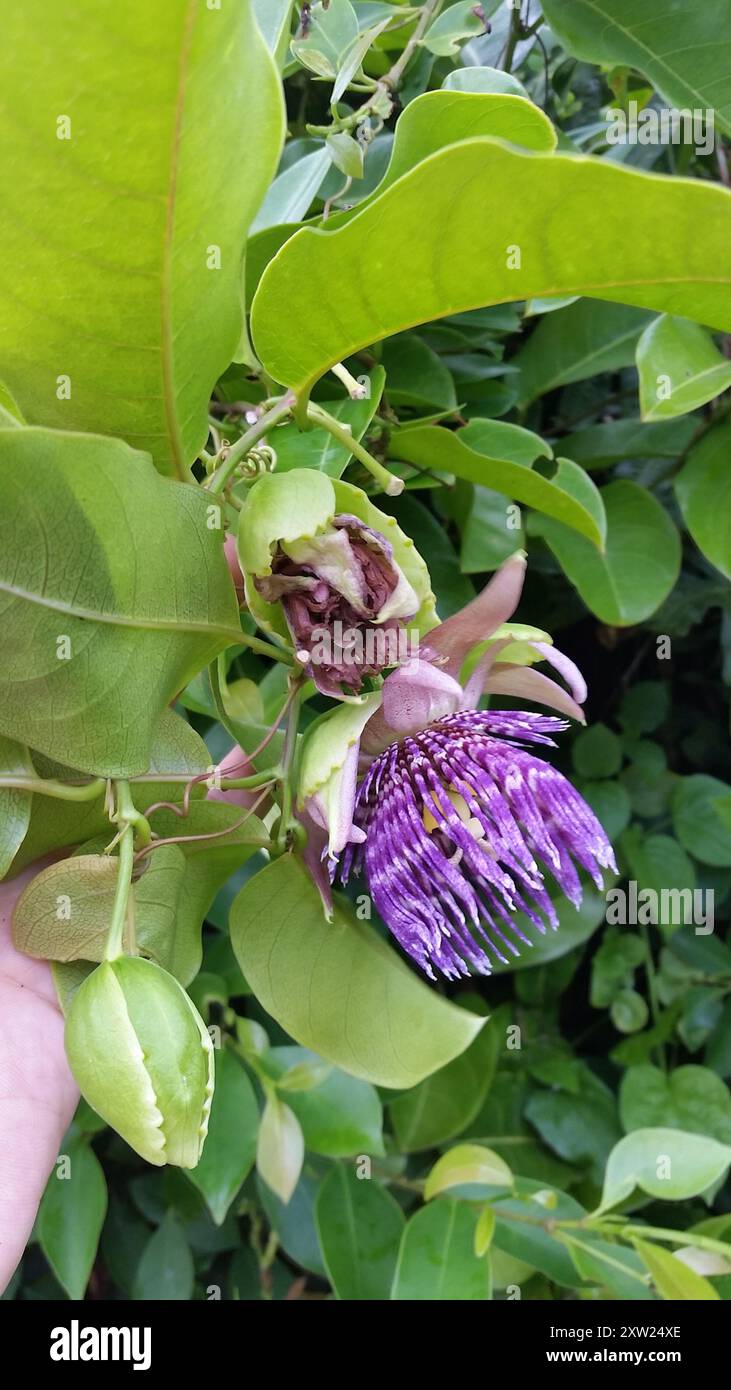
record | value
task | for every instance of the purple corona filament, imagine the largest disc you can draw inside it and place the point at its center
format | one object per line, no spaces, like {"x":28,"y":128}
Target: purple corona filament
{"x":460,"y":826}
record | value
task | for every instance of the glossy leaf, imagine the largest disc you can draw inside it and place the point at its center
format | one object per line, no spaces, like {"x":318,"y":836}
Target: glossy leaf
{"x":294,"y":1221}
{"x":698,"y":819}
{"x":437,"y":1261}
{"x":680,"y":368}
{"x":290,"y":195}
{"x":484,"y":79}
{"x":155,"y":312}
{"x":641,"y":562}
{"x":359,"y":1226}
{"x":83,"y":627}
{"x":455,"y":24}
{"x":465,"y":1166}
{"x":165,"y":1272}
{"x":331,"y":31}
{"x":327,"y":983}
{"x":703,"y":490}
{"x":691,"y":1098}
{"x":417,"y":375}
{"x":273,"y":18}
{"x":471,"y":453}
{"x":681,"y":49}
{"x":665,"y":1163}
{"x":445,"y":1103}
{"x":230,"y":1147}
{"x":577,"y":342}
{"x":673,"y":1279}
{"x":572,"y":215}
{"x":438,"y":119}
{"x":71,"y":1216}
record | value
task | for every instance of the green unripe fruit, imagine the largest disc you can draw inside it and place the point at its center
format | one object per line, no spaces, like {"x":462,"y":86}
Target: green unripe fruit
{"x":142,"y":1057}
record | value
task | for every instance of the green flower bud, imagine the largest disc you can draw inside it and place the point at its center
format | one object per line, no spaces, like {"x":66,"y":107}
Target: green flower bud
{"x":142,"y":1057}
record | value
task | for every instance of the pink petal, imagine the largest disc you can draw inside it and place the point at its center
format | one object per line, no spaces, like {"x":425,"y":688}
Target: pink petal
{"x":525,"y":683}
{"x":566,"y":668}
{"x":456,"y":636}
{"x":413,"y":696}
{"x":477,"y":683}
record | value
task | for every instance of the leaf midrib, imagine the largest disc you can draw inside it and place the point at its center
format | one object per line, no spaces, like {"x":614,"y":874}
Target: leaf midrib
{"x":658,"y":58}
{"x":120,"y":619}
{"x":167,"y":336}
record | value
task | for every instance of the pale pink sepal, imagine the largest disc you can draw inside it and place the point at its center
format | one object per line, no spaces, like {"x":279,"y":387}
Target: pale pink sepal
{"x":525,"y":683}
{"x":456,"y":636}
{"x":566,"y":668}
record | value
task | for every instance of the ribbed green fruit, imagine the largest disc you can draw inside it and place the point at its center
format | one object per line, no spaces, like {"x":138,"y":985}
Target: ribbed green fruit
{"x":143,"y":1059}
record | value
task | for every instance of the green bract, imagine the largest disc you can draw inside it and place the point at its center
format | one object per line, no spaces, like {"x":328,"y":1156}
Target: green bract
{"x":142,"y":1058}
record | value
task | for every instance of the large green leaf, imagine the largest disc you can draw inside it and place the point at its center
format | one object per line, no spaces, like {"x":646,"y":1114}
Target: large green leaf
{"x":484,"y":223}
{"x":599,"y":445}
{"x":336,"y":987}
{"x":703,"y":489}
{"x":121,"y":309}
{"x":683,"y":48}
{"x":165,"y":1272}
{"x":437,"y":1262}
{"x":699,"y":804}
{"x":641,"y":562}
{"x":666,"y":1163}
{"x":230,"y":1147}
{"x":522,"y":1230}
{"x":472,"y":453}
{"x":691,"y":1098}
{"x":673,"y":1279}
{"x":71,"y":1216}
{"x":578,"y":342}
{"x":445,"y":1103}
{"x":177,"y":750}
{"x":680,"y":368}
{"x":64,"y":912}
{"x":438,"y":119}
{"x":95,"y":646}
{"x":360,"y":1226}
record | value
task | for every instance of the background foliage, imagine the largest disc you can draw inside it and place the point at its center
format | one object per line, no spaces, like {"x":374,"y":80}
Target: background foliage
{"x":608,"y":1042}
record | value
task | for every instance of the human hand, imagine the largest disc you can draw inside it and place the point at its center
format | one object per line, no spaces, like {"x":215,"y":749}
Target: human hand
{"x":38,"y":1095}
